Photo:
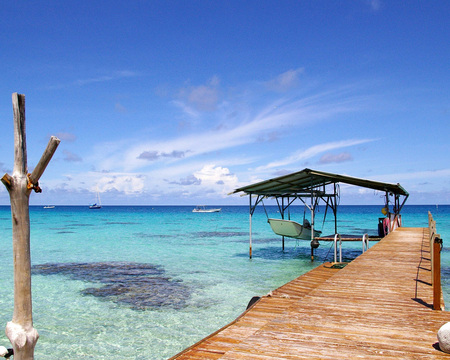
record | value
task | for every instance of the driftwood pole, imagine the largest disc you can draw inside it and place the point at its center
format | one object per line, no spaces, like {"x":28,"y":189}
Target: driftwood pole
{"x":20,"y":330}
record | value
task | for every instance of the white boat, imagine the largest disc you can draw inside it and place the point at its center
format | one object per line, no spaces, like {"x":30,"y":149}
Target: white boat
{"x":49,"y":207}
{"x":293,"y":229}
{"x":203,"y":209}
{"x":98,"y":204}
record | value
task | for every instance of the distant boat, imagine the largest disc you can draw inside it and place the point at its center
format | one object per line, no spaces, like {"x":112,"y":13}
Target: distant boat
{"x":203,"y":209}
{"x":293,"y":229}
{"x":49,"y":207}
{"x":98,"y":204}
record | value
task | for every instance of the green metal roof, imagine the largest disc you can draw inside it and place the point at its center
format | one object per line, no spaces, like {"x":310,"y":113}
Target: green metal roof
{"x":306,"y":180}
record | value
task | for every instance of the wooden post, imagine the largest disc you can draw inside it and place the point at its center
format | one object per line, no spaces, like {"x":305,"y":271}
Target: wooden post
{"x":20,"y":330}
{"x":431,"y":233}
{"x":437,"y":272}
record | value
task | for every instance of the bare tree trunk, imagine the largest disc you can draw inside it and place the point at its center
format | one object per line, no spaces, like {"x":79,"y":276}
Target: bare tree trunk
{"x":20,"y":330}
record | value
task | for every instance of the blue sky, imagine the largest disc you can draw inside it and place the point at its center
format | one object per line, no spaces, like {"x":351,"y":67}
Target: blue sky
{"x":180,"y":102}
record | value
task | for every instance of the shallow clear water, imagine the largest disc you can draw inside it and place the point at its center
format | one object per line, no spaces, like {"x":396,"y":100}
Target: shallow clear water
{"x":146,"y":282}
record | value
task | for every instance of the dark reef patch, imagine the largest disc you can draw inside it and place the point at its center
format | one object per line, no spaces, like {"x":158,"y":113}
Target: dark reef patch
{"x":151,"y":236}
{"x":121,"y":223}
{"x":224,"y":234}
{"x":139,"y":286}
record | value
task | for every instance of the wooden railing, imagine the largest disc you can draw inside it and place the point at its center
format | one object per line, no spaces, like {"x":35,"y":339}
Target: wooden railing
{"x":435,"y":252}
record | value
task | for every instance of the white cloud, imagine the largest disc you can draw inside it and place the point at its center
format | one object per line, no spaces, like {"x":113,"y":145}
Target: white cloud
{"x":201,"y":97}
{"x":188,"y":180}
{"x":65,"y":136}
{"x":417,"y":176}
{"x":199,"y":162}
{"x":312,"y":151}
{"x":273,"y":118}
{"x":125,"y":183}
{"x":186,"y":109}
{"x":204,"y":98}
{"x":120,"y":108}
{"x":112,"y":76}
{"x":217,"y":178}
{"x":116,"y":75}
{"x":71,"y":157}
{"x":335,"y":158}
{"x":152,"y":155}
{"x":285,"y":81}
{"x":375,"y":5}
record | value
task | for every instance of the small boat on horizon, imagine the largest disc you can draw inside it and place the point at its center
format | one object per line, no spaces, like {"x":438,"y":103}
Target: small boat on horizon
{"x":49,"y":207}
{"x":203,"y":209}
{"x":98,"y":204}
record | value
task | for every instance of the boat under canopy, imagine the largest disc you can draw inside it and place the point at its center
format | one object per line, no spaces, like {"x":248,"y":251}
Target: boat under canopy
{"x":311,"y":187}
{"x":292,"y":229}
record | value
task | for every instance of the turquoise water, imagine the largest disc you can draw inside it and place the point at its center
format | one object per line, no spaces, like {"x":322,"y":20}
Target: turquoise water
{"x":146,"y":282}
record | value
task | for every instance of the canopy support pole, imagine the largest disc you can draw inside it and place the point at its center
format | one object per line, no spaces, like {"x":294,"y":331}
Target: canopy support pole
{"x":252,"y":209}
{"x":250,"y":244}
{"x":335,"y":208}
{"x":250,"y":230}
{"x":282,"y":216}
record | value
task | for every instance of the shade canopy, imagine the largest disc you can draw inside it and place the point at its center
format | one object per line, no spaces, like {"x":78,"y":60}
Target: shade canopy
{"x":308,"y":180}
{"x":312,"y":184}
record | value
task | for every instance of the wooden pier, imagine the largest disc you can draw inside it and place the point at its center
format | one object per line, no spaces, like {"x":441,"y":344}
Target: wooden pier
{"x":378,"y":306}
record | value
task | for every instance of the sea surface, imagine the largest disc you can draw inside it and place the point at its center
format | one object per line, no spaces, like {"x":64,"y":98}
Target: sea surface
{"x":146,"y":282}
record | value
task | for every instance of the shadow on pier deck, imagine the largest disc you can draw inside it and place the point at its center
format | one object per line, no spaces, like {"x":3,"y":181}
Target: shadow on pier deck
{"x":378,"y":306}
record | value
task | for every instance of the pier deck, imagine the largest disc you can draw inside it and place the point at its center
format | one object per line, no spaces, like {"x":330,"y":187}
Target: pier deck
{"x":378,"y":306}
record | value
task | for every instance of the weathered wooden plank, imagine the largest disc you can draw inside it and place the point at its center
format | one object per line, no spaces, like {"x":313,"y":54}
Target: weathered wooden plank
{"x":262,"y":312}
{"x":378,"y":306}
